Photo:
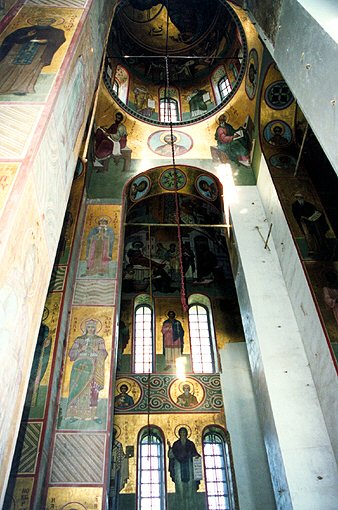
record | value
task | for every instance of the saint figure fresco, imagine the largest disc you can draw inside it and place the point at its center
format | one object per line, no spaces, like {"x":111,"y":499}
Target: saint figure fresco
{"x":40,"y":363}
{"x":123,"y":400}
{"x":233,"y":142}
{"x":313,"y":225}
{"x":181,"y":455}
{"x":24,"y":52}
{"x":88,"y":354}
{"x":173,"y":334}
{"x":99,"y":248}
{"x":187,"y":399}
{"x":110,"y":141}
{"x":119,"y":472}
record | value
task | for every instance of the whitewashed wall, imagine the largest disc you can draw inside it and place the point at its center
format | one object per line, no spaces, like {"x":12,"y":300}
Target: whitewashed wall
{"x":300,"y":454}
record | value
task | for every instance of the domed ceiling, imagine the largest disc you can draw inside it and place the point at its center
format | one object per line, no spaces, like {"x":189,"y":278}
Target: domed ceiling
{"x":190,"y":54}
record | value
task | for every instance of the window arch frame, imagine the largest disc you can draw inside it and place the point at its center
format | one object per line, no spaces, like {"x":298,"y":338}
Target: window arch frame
{"x":204,"y":302}
{"x":116,"y":87}
{"x":151,"y":344}
{"x":146,"y":432}
{"x":224,"y":92}
{"x":162,"y":111}
{"x":228,"y":468}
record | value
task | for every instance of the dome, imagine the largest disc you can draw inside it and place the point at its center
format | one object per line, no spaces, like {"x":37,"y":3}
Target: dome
{"x":180,"y":64}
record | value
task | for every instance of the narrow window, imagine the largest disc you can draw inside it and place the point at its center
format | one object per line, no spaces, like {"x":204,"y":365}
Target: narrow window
{"x":151,"y":485}
{"x":224,"y":87}
{"x":143,"y":340}
{"x":218,"y":474}
{"x":116,"y":88}
{"x":200,"y":340}
{"x":169,"y":110}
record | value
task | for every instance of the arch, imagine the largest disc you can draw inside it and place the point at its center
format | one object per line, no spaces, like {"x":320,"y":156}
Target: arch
{"x":219,"y":473}
{"x":151,"y":490}
{"x":202,"y":336}
{"x":143,"y":336}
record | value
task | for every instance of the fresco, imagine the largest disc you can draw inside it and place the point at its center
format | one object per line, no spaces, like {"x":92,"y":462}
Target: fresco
{"x":152,"y":271}
{"x":127,"y":394}
{"x":21,"y":494}
{"x":278,"y":95}
{"x":212,"y":31}
{"x":161,"y":142}
{"x":98,"y":258}
{"x":153,"y":265}
{"x":64,"y":498}
{"x":111,"y":143}
{"x":282,"y":131}
{"x":233,"y":144}
{"x":278,"y":133}
{"x":7,"y":175}
{"x":5,"y":6}
{"x":87,"y":364}
{"x":251,"y":78}
{"x":40,"y":374}
{"x":32,"y":48}
{"x":70,"y":219}
{"x":169,"y":424}
{"x":207,"y":187}
{"x":139,"y":188}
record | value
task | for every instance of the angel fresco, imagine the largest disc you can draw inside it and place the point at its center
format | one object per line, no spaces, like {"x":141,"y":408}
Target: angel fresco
{"x":24,"y":52}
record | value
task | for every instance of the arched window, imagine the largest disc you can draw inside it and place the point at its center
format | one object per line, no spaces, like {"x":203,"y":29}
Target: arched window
{"x":200,"y":340}
{"x":219,"y":478}
{"x":143,"y":340}
{"x":151,"y":471}
{"x":169,"y":110}
{"x":116,"y":87}
{"x":224,"y":87}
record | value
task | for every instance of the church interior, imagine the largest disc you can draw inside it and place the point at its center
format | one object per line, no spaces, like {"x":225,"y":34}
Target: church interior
{"x":169,"y":255}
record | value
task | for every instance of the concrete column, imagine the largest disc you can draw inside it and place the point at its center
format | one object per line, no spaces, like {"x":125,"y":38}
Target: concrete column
{"x":250,"y":461}
{"x":302,"y":464}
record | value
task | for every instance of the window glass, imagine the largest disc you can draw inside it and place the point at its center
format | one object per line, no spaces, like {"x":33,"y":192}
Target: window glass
{"x":218,"y":477}
{"x":151,"y":488}
{"x":200,"y":340}
{"x":169,"y":110}
{"x":143,"y":340}
{"x":224,"y":87}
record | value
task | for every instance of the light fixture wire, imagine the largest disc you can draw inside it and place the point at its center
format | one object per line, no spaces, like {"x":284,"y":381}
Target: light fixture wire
{"x":177,"y":205}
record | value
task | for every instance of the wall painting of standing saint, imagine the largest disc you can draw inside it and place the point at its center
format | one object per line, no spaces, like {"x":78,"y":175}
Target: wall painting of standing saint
{"x":32,"y":49}
{"x":86,"y":375}
{"x":40,"y":373}
{"x":98,"y":257}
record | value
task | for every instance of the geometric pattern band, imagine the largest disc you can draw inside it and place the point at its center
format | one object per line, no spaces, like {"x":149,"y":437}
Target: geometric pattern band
{"x":78,"y":458}
{"x":27,"y":448}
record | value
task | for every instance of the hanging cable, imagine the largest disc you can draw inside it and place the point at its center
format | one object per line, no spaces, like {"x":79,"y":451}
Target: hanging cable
{"x":177,"y":205}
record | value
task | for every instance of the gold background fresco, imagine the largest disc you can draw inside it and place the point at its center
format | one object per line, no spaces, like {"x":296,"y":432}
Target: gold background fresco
{"x":66,"y":20}
{"x":77,"y":322}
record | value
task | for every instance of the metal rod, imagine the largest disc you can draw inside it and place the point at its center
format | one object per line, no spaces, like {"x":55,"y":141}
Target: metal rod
{"x":261,"y":236}
{"x":190,"y":57}
{"x":301,"y":150}
{"x":195,"y":225}
{"x":267,"y":239}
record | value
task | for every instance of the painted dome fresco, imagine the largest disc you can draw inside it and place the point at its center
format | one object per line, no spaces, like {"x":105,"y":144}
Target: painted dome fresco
{"x":176,"y":64}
